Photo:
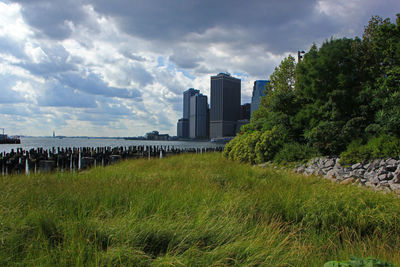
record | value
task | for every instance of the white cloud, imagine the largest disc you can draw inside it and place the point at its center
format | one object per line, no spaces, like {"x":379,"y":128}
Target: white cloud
{"x":11,"y":22}
{"x":94,"y":67}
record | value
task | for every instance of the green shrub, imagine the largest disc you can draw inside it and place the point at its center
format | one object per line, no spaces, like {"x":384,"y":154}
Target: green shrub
{"x":229,"y":146}
{"x":242,"y":147}
{"x":269,"y":144}
{"x":356,"y":152}
{"x":255,"y":147}
{"x":326,"y":137}
{"x":294,"y":152}
{"x":384,"y":146}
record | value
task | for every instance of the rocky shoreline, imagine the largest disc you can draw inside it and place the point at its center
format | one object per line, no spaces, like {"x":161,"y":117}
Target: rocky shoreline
{"x":378,"y":174}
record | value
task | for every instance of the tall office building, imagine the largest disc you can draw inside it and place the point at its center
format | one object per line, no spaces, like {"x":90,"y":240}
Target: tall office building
{"x":245,"y":111}
{"x":186,"y":101}
{"x":258,"y":92}
{"x":198,"y":117}
{"x":183,"y":125}
{"x":183,"y":128}
{"x":225,"y":105}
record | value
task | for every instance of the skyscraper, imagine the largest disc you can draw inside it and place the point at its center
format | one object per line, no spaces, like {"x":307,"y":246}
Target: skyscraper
{"x":245,"y":111}
{"x":198,"y":117}
{"x":258,"y":92}
{"x":186,"y":101}
{"x":225,"y":105}
{"x":183,"y":126}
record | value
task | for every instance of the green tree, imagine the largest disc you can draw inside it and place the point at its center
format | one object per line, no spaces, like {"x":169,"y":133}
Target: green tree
{"x":328,"y":84}
{"x":346,"y":90}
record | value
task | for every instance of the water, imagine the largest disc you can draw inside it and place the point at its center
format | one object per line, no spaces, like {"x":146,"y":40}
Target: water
{"x":49,"y":142}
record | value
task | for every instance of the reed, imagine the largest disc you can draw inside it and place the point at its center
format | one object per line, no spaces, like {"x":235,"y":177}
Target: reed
{"x":191,"y":210}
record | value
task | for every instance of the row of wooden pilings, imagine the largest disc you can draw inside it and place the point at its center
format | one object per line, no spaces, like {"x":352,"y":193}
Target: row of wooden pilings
{"x":73,"y":159}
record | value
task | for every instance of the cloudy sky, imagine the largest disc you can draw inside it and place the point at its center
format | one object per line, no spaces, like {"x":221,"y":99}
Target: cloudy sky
{"x":119,"y":68}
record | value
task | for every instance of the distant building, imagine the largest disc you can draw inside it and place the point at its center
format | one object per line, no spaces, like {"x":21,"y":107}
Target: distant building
{"x":208,"y":121}
{"x":225,"y":105}
{"x":258,"y":92}
{"x":155,"y":135}
{"x":183,"y":127}
{"x":245,"y":111}
{"x":198,"y":117}
{"x":186,"y":101}
{"x":163,"y":137}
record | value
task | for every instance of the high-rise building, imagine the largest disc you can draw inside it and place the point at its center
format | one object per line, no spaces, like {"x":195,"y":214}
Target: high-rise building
{"x":225,"y":105}
{"x":183,"y":128}
{"x":198,"y":117}
{"x":245,"y":111}
{"x":258,"y":92}
{"x":186,"y":101}
{"x":183,"y":125}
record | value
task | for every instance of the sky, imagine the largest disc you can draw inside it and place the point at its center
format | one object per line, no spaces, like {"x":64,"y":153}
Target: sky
{"x":119,"y":68}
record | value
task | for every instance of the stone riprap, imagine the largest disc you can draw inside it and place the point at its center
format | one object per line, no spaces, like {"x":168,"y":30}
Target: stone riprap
{"x":379,"y":174}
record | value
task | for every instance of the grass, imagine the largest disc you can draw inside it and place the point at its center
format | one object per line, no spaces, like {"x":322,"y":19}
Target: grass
{"x":191,"y":210}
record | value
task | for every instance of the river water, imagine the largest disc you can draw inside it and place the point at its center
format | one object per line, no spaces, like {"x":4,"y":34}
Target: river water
{"x":49,"y":142}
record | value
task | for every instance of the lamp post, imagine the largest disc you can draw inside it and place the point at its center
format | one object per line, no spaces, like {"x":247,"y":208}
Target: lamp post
{"x":300,"y":55}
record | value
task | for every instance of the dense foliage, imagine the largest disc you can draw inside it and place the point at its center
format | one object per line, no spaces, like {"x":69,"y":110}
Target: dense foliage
{"x":346,"y":91}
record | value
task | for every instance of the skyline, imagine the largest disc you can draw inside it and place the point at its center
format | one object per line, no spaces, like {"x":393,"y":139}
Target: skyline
{"x":101,"y":68}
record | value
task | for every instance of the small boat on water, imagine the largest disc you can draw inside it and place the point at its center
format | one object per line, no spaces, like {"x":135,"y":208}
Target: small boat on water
{"x":4,"y":139}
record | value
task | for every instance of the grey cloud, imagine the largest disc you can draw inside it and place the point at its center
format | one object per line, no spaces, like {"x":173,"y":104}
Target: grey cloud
{"x":280,"y":25}
{"x":11,"y":47}
{"x":170,"y":21}
{"x":140,"y":75}
{"x":106,"y":112}
{"x":56,"y":59}
{"x":50,"y":18}
{"x":107,"y":107}
{"x":7,"y":95}
{"x":185,"y":58}
{"x":93,"y":84}
{"x":131,"y":55}
{"x":58,"y":95}
{"x":19,"y":110}
{"x":173,"y":20}
{"x":163,"y":122}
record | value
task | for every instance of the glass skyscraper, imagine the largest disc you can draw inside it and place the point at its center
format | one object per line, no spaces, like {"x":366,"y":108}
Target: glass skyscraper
{"x":258,"y":92}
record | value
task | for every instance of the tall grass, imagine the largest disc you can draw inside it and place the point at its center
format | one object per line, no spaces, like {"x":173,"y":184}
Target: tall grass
{"x":196,"y":210}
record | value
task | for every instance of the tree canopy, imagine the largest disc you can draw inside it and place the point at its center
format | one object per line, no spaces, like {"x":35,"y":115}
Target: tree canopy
{"x":346,"y":90}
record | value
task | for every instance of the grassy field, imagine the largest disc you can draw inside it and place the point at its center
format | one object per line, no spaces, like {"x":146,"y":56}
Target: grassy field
{"x":191,"y":210}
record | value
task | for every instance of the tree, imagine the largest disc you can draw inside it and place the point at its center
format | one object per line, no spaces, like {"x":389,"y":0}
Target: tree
{"x":280,"y":102}
{"x":347,"y":90}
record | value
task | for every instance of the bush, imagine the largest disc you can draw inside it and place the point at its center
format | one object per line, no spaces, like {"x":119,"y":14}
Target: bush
{"x":255,"y":147}
{"x":294,"y":152}
{"x":269,"y":144}
{"x":356,"y":152}
{"x":229,"y":146}
{"x":244,"y":147}
{"x":326,"y":137}
{"x":384,"y":146}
